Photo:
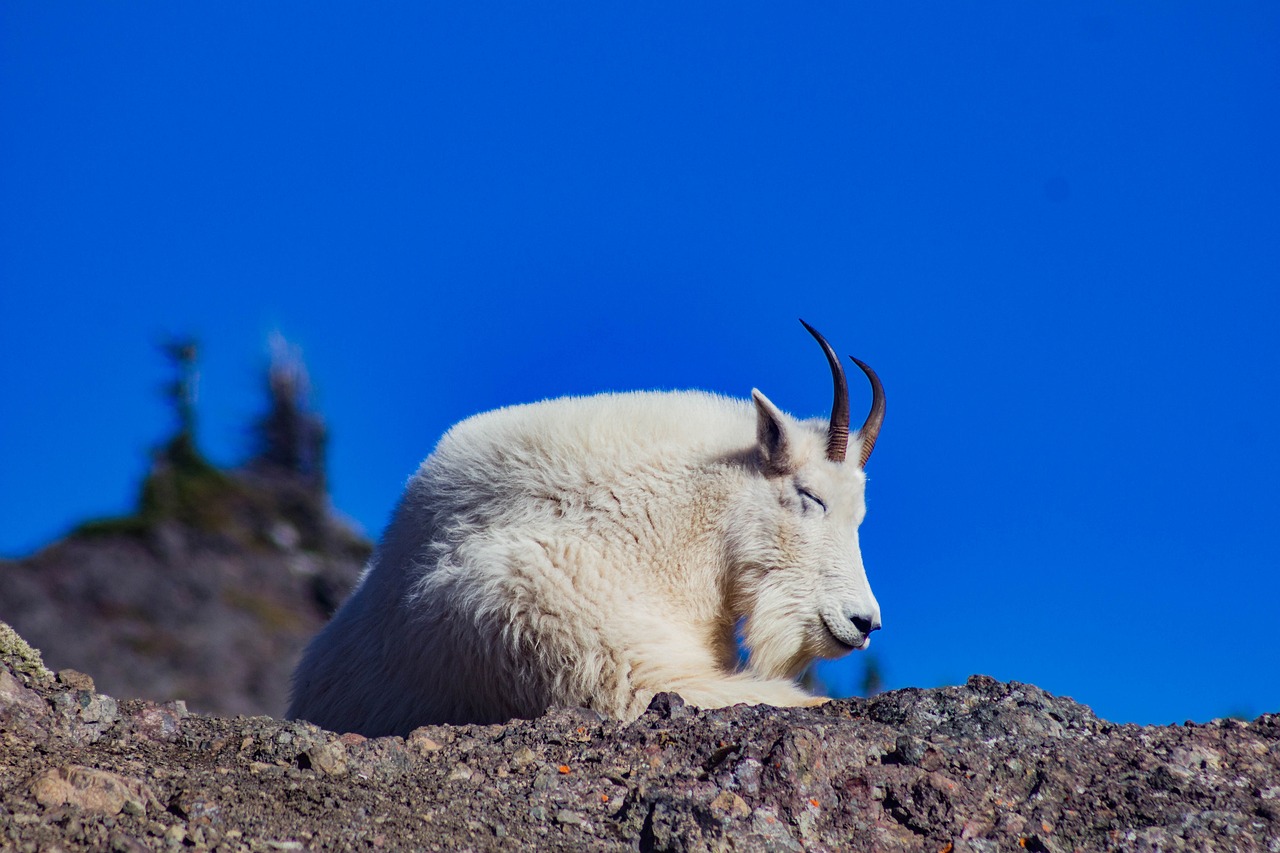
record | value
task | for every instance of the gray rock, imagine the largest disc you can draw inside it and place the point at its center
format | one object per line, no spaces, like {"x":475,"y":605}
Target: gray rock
{"x":984,"y":766}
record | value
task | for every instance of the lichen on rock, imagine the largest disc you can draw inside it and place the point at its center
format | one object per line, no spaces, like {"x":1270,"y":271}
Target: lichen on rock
{"x":20,"y":658}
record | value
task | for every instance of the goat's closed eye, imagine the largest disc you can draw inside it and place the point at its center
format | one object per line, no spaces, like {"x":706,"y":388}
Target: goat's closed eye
{"x":805,"y":493}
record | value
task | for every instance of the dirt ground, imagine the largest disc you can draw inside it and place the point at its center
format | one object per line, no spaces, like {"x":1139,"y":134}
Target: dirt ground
{"x":985,"y":766}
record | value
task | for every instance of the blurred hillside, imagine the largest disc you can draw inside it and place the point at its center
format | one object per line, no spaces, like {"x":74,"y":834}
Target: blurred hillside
{"x":211,"y":588}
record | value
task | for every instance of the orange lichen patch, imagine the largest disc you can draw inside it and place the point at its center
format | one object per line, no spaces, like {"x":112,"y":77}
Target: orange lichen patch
{"x":1022,"y":842}
{"x":814,"y":803}
{"x":582,"y":730}
{"x":1046,"y":827}
{"x":948,"y":848}
{"x":604,"y":798}
{"x":564,"y":768}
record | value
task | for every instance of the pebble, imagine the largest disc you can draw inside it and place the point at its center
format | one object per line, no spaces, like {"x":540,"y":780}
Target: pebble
{"x":329,"y":759}
{"x":730,"y":804}
{"x":75,"y":680}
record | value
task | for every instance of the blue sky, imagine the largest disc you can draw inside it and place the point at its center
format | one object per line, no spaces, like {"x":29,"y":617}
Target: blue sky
{"x":1054,"y":230}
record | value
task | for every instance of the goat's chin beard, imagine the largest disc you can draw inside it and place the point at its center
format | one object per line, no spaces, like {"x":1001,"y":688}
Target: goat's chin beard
{"x":789,"y":658}
{"x":831,"y":646}
{"x":774,"y":660}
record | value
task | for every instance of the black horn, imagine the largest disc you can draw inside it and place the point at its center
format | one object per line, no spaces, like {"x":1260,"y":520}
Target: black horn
{"x":838,"y":431}
{"x":871,"y":426}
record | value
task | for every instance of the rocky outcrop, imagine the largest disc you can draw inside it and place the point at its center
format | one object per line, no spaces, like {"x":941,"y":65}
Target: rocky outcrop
{"x":178,"y":612}
{"x":983,"y":766}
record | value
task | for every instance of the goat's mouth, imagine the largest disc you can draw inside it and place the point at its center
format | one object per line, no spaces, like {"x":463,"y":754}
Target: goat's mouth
{"x":850,"y":640}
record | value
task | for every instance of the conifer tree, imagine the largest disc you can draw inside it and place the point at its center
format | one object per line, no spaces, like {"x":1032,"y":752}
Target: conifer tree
{"x":290,"y":437}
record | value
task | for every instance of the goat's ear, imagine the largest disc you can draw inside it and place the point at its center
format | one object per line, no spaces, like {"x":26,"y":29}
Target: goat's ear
{"x":771,"y":435}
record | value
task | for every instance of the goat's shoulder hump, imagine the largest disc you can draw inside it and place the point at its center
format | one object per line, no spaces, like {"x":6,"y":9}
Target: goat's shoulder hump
{"x":662,"y":417}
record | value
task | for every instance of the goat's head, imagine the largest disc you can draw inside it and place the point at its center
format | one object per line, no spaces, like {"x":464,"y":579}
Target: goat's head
{"x":796,"y":569}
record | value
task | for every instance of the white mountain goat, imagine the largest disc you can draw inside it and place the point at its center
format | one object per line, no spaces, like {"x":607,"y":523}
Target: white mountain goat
{"x":594,"y":551}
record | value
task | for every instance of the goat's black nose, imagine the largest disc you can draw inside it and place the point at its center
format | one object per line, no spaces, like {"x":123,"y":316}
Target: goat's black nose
{"x":865,"y":624}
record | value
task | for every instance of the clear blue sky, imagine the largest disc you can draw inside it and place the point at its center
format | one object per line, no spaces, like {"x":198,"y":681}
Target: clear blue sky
{"x":1053,"y":229}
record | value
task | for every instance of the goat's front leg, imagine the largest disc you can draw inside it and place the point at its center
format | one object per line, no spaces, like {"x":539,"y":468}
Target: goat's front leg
{"x":738,"y":689}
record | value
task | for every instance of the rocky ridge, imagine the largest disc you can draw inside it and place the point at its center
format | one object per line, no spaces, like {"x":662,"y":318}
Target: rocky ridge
{"x":984,"y":766}
{"x":176,"y":612}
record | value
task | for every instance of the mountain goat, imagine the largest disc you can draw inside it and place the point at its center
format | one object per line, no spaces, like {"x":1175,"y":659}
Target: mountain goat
{"x":594,"y":551}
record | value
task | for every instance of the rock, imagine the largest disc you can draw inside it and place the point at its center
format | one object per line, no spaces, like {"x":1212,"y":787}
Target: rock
{"x":198,"y":807}
{"x":121,"y":843}
{"x":329,"y":759}
{"x":90,"y":789}
{"x":87,"y":715}
{"x":20,"y":658}
{"x":20,"y":707}
{"x":177,"y":612}
{"x":158,"y":722}
{"x":460,"y":773}
{"x":420,"y":741}
{"x":74,"y":680}
{"x":522,"y":758}
{"x":982,"y":766}
{"x":667,"y":706}
{"x":729,"y":804}
{"x":767,"y":826}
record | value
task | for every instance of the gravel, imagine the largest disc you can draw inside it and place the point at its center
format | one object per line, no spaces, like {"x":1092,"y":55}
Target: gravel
{"x":984,"y":766}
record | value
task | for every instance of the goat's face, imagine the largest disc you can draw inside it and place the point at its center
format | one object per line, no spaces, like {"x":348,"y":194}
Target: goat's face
{"x":796,"y":571}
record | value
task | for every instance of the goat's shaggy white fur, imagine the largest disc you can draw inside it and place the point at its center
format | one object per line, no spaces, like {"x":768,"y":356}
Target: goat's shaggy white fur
{"x":595,"y":551}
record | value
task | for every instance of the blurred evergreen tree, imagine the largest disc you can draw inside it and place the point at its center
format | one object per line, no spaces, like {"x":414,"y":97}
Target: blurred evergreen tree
{"x":872,"y":679}
{"x":181,"y":393}
{"x":290,"y":438}
{"x":277,"y":499}
{"x":182,"y":484}
{"x":286,"y":467}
